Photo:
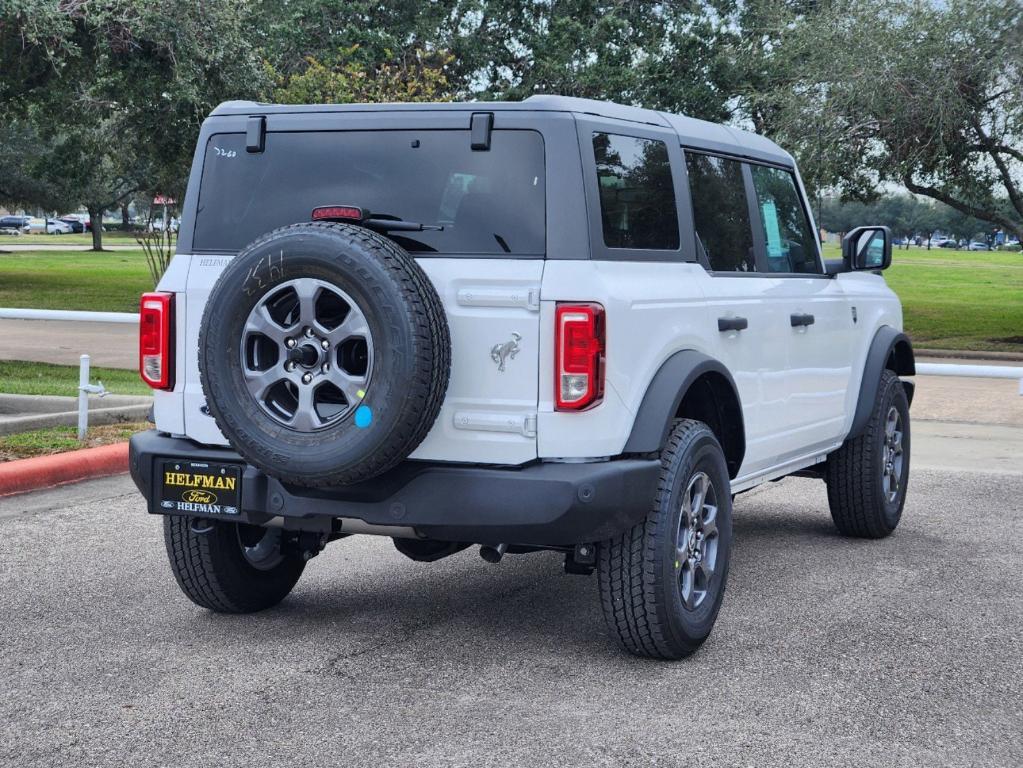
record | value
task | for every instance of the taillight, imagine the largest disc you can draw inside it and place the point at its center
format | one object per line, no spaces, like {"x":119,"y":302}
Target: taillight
{"x":156,"y":357}
{"x":579,"y":356}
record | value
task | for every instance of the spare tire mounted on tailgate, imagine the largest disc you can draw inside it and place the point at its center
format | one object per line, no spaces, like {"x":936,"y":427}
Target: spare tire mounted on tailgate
{"x":324,"y":354}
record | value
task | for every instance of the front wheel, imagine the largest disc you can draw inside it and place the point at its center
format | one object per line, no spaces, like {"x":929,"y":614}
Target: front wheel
{"x":661,"y":583}
{"x":867,"y":477}
{"x":229,"y":567}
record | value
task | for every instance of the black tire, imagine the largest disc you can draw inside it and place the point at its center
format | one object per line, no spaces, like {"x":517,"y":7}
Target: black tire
{"x":640,"y":574}
{"x":407,"y":382}
{"x":213,"y":571}
{"x":861,"y":505}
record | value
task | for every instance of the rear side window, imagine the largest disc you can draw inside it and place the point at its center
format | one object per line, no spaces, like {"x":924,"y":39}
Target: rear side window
{"x":487,"y":203}
{"x":720,"y":213}
{"x":637,"y":196}
{"x":790,"y":244}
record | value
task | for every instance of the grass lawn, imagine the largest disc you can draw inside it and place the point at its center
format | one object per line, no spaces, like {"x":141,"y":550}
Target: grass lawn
{"x":110,"y":282}
{"x":83,"y":238}
{"x":18,"y":377}
{"x":951,"y":299}
{"x":41,"y":442}
{"x":970,"y":300}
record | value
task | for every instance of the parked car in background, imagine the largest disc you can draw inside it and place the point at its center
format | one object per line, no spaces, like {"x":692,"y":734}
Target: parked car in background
{"x":978,"y":245}
{"x":48,"y":227}
{"x":156,"y":225}
{"x":18,"y":224}
{"x":82,"y":219}
{"x":942,"y":242}
{"x":76,"y":225}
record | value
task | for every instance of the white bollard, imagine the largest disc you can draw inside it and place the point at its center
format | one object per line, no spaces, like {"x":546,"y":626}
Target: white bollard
{"x":83,"y":396}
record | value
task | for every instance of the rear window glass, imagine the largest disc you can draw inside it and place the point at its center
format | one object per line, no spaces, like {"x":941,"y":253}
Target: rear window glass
{"x":637,"y":196}
{"x":487,"y":202}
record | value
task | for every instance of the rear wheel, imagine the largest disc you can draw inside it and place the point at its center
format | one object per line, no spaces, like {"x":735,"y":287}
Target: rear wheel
{"x":662,"y":582}
{"x":867,"y":477}
{"x":229,"y":567}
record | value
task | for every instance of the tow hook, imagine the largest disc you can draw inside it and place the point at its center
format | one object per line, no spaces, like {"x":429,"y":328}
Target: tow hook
{"x":581,"y":560}
{"x":303,"y":544}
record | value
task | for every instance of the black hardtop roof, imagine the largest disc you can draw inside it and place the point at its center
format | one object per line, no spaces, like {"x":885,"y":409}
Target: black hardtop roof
{"x":692,"y":132}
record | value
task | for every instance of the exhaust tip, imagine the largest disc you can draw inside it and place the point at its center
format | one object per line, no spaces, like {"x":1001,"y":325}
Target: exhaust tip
{"x":493,"y":554}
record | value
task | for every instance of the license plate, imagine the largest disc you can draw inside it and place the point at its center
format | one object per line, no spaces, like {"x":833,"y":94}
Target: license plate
{"x":200,"y":488}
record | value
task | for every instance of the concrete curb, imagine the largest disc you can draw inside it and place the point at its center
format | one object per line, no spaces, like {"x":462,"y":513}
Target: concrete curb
{"x":21,"y":413}
{"x":97,"y":418}
{"x":965,"y":354}
{"x":23,"y":475}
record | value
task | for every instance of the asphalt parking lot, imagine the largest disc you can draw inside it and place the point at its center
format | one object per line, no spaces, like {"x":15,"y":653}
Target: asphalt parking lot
{"x":828,"y":651}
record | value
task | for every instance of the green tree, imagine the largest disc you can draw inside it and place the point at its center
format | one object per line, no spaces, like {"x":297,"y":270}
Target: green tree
{"x":116,"y":91}
{"x":345,"y":80}
{"x":926,"y":95}
{"x":663,"y":55}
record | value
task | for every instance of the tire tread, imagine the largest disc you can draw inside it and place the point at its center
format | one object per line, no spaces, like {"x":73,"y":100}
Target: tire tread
{"x":629,"y":565}
{"x":851,"y":474}
{"x":220,"y":580}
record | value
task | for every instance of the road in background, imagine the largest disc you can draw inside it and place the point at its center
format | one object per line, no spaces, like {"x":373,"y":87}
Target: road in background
{"x":109,"y":345}
{"x":11,"y":247}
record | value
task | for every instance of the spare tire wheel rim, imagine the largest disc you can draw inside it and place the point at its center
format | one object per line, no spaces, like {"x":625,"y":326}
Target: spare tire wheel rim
{"x":307,"y":354}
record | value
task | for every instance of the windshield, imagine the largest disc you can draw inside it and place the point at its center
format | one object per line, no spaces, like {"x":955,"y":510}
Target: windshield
{"x":487,"y":203}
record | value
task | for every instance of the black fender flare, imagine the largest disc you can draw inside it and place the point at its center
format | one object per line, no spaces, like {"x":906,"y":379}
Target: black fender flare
{"x":888,"y":344}
{"x":664,"y":395}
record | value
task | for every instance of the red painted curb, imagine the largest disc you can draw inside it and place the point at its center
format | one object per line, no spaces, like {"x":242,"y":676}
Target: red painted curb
{"x":24,"y":475}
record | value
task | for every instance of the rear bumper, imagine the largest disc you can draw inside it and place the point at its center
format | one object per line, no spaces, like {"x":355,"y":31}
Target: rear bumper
{"x":539,"y":504}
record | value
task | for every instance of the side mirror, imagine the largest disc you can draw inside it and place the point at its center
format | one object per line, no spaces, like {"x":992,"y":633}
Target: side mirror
{"x":867,"y":248}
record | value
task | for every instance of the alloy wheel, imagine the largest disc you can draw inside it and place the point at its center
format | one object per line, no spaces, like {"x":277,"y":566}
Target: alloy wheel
{"x":891,"y":455}
{"x":697,"y":540}
{"x":307,"y":354}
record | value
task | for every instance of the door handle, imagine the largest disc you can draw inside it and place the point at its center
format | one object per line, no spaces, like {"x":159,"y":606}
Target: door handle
{"x":800,"y":319}
{"x":732,"y":324}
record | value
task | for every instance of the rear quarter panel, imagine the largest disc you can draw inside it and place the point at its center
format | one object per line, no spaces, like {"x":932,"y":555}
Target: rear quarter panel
{"x":653,"y":309}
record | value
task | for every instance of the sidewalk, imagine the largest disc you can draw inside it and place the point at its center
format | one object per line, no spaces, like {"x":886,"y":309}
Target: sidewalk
{"x":16,"y":247}
{"x":965,"y":400}
{"x":110,"y":345}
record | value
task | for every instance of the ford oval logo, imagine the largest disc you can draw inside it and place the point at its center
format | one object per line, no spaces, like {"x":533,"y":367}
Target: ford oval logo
{"x":199,"y":497}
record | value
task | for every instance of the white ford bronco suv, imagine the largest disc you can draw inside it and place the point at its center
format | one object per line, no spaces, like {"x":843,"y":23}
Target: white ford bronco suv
{"x":558,"y":324}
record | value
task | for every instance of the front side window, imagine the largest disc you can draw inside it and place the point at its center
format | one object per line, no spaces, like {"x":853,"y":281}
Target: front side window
{"x":637,"y":196}
{"x":720,"y":213}
{"x":788,"y":239}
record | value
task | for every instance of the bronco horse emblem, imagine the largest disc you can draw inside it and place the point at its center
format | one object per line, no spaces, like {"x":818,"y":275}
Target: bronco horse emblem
{"x":500,"y":353}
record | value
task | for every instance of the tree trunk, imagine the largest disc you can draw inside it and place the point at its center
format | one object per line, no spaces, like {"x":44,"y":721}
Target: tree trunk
{"x":125,"y":219}
{"x":96,"y":220}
